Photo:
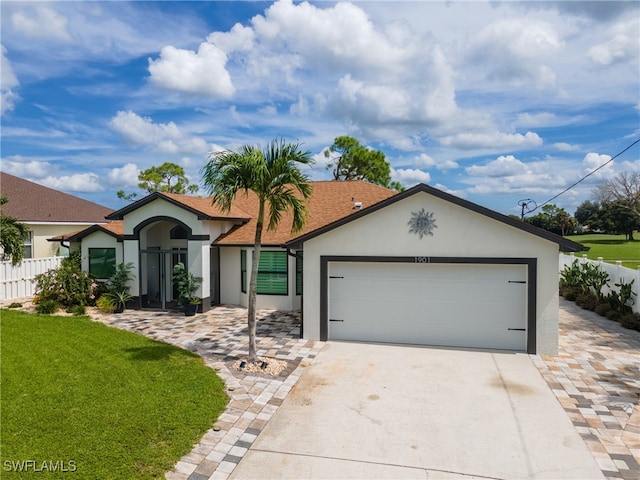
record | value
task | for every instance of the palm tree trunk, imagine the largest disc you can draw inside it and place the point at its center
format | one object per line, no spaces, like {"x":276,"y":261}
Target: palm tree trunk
{"x":253,"y":284}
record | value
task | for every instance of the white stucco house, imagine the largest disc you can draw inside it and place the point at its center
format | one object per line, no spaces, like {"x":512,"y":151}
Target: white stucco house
{"x":371,"y":264}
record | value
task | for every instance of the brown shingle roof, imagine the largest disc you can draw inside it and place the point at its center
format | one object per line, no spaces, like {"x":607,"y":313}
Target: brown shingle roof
{"x":30,"y":202}
{"x":115,"y":229}
{"x":201,"y":206}
{"x":330,"y":201}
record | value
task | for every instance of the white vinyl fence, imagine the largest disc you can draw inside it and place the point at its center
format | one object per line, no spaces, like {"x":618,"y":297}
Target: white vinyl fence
{"x":16,"y":281}
{"x":616,"y":273}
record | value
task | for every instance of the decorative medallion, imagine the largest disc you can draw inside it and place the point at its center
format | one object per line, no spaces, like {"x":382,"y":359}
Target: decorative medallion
{"x":422,"y":223}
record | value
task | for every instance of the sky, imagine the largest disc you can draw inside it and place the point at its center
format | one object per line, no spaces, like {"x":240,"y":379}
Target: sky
{"x":494,"y":102}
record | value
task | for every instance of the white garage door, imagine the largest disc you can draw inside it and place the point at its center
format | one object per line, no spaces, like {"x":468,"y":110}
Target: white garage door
{"x":459,"y":305}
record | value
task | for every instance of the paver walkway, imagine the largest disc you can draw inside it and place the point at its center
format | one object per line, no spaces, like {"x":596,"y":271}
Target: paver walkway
{"x":596,"y":378}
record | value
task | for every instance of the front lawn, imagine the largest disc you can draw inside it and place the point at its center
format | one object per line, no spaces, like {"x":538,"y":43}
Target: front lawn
{"x":98,"y":402}
{"x":610,"y":248}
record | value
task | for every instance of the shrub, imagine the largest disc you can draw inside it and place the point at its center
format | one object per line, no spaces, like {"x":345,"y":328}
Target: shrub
{"x":47,"y":307}
{"x":67,"y":285}
{"x":77,"y":310}
{"x":594,"y":278}
{"x":587,"y":301}
{"x":106,"y":304}
{"x":570,"y":293}
{"x":571,"y":276}
{"x":603,"y":309}
{"x":631,"y":321}
{"x":613,"y":315}
{"x":15,"y":305}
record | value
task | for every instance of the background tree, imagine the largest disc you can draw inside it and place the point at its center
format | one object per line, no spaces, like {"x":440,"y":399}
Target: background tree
{"x":352,"y":161}
{"x":586,"y":213}
{"x":274,"y":175}
{"x":554,"y":219}
{"x":168,"y":177}
{"x":623,"y":190}
{"x":13,"y":234}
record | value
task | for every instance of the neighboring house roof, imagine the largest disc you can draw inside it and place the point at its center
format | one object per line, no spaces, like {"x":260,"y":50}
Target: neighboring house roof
{"x":31,"y":202}
{"x":330,"y":201}
{"x":564,"y":244}
{"x":201,"y":206}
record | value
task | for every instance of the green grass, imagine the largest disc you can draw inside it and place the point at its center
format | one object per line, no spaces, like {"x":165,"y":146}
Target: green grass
{"x":109,"y":403}
{"x":611,"y":248}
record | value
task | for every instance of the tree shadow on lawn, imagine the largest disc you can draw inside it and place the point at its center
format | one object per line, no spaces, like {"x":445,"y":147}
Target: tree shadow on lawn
{"x":610,"y":242}
{"x":156,"y":352}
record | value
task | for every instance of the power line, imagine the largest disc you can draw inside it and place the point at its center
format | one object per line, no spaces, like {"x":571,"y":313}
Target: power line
{"x":583,"y":178}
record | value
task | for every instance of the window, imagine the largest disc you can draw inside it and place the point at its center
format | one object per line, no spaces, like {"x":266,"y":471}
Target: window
{"x":28,"y":246}
{"x":243,"y":271}
{"x":178,"y":233}
{"x":298,"y":273}
{"x":102,"y":262}
{"x":273,"y":274}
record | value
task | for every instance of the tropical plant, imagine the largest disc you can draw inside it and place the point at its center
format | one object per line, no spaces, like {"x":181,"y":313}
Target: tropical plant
{"x":118,"y":286}
{"x":273,"y":174}
{"x":13,"y":233}
{"x":622,"y":299}
{"x":187,"y":284}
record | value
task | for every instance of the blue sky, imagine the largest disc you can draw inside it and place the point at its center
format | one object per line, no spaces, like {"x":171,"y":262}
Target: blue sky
{"x":491,"y":101}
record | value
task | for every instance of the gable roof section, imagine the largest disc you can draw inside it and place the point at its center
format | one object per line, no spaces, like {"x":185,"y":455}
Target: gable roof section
{"x":330,"y":201}
{"x":31,"y":202}
{"x":563,"y":243}
{"x":115,"y":229}
{"x":201,"y":206}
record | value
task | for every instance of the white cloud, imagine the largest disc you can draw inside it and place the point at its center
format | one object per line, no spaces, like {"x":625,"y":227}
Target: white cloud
{"x":529,"y":120}
{"x":42,"y":22}
{"x":593,"y":161}
{"x":202,"y":72}
{"x":339,"y":37}
{"x":410,"y":176}
{"x":425,"y":161}
{"x":79,"y":182}
{"x":566,"y":147}
{"x":161,"y":137}
{"x":8,"y":82}
{"x":513,"y":50}
{"x":24,"y":168}
{"x":495,"y":140}
{"x":503,"y":166}
{"x":621,"y":46}
{"x":238,"y":39}
{"x":126,"y":176}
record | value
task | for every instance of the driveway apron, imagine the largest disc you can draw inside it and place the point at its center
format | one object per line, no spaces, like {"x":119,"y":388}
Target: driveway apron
{"x":387,"y":411}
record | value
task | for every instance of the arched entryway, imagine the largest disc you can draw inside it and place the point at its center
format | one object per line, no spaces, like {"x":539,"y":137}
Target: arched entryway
{"x":163,"y":243}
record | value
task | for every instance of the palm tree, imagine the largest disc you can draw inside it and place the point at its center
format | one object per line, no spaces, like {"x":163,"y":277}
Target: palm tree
{"x":13,"y":233}
{"x":273,"y":174}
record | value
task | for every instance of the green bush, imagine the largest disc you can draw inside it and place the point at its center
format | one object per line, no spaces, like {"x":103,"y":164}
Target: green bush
{"x":77,"y":310}
{"x":631,"y":321}
{"x":106,"y":304}
{"x":67,"y":285}
{"x":47,"y":307}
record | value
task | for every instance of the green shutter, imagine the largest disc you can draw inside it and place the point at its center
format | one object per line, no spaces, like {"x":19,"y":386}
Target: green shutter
{"x":298,"y":273}
{"x":273,"y":273}
{"x":243,"y":271}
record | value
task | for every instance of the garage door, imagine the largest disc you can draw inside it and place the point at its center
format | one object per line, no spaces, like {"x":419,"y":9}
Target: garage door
{"x":459,"y":305}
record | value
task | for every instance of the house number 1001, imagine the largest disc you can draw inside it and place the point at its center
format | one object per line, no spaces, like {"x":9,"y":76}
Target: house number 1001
{"x":422,"y":260}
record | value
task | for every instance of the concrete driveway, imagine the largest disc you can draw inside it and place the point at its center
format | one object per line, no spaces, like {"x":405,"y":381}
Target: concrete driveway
{"x":385,"y":411}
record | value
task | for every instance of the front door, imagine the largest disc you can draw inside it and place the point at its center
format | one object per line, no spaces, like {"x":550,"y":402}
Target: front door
{"x":158,"y":291}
